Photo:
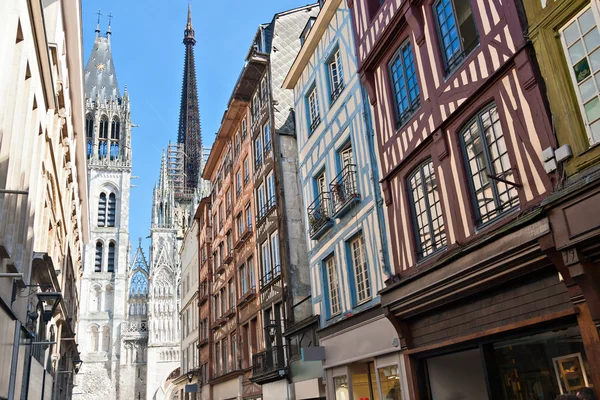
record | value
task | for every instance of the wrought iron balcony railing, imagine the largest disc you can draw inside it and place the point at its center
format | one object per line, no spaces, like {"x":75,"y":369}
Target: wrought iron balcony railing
{"x":319,"y":218}
{"x":270,"y":276}
{"x":344,"y":190}
{"x":315,"y":122}
{"x":228,"y":258}
{"x":335,"y":93}
{"x":270,"y":361}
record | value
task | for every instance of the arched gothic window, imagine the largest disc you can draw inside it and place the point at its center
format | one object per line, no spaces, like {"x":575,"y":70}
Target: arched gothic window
{"x":103,"y":138}
{"x":115,"y":131}
{"x":102,"y":209}
{"x":112,"y":209}
{"x":98,"y":259}
{"x":106,"y":339}
{"x":94,"y":341}
{"x":111,"y":257}
{"x":89,"y":133}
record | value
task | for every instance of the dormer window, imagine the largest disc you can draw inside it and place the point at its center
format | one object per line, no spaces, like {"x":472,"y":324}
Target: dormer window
{"x":307,"y":27}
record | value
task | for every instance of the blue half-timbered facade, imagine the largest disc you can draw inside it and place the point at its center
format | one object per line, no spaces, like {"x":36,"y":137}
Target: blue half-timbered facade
{"x":346,"y":234}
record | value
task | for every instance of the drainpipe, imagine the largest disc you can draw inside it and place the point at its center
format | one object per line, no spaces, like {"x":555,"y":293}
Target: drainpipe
{"x":384,"y":257}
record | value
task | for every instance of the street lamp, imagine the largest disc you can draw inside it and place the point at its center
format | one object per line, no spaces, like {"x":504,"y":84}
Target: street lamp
{"x":49,"y":302}
{"x":190,"y":376}
{"x":76,"y":365}
{"x":271,"y":330}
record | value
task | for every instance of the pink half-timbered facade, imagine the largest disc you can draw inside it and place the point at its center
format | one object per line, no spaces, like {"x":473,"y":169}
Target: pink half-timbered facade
{"x":496,"y":73}
{"x":461,"y":124}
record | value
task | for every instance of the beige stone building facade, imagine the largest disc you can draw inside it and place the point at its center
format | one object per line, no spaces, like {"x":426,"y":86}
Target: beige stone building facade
{"x":43,"y":197}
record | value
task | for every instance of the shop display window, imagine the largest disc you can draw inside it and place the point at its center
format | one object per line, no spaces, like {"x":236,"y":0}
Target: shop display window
{"x":389,"y":381}
{"x":364,"y":382}
{"x":542,"y":366}
{"x":340,"y":384}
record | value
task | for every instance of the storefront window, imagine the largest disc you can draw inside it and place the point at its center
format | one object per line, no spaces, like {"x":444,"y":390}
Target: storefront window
{"x":389,"y":380}
{"x":364,"y":382}
{"x":542,"y":366}
{"x":535,"y":367}
{"x":340,"y":384}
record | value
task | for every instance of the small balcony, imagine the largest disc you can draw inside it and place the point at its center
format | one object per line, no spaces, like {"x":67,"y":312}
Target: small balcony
{"x":219,"y":269}
{"x":344,"y":191}
{"x":270,"y":277}
{"x":202,"y":342}
{"x":228,"y":258}
{"x":218,"y":322}
{"x":319,"y":220}
{"x":258,"y":162}
{"x":229,"y":313}
{"x":268,"y":365}
{"x":247,"y":297}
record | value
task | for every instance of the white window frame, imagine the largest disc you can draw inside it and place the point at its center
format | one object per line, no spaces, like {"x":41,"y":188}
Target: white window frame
{"x":596,"y":12}
{"x":271,"y":189}
{"x":274,"y":239}
{"x":265,"y":255}
{"x":360,"y":269}
{"x":333,"y":288}
{"x":313,"y":107}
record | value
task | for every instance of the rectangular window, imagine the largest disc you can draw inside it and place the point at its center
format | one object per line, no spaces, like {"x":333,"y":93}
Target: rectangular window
{"x":248,"y":216}
{"x":271,"y":194}
{"x":258,"y":149}
{"x":581,"y":42}
{"x":234,"y":363}
{"x":275,"y":252}
{"x":228,"y":201}
{"x":267,"y":138}
{"x":314,"y":116}
{"x":340,"y":385}
{"x":427,"y":210}
{"x":255,"y":107}
{"x":246,"y":171}
{"x":261,"y":201}
{"x":237,"y":144}
{"x":456,"y":29}
{"x":488,"y":166}
{"x":240,"y":225}
{"x":336,"y":75}
{"x":243,"y":279}
{"x":264,"y":90}
{"x":389,"y":379}
{"x":218,"y":358}
{"x":225,"y":358}
{"x":231,"y":295}
{"x":359,"y":266}
{"x":404,"y":83}
{"x":266,"y":262}
{"x":250,"y":266}
{"x":238,"y":180}
{"x":332,"y":283}
{"x":244,"y":128}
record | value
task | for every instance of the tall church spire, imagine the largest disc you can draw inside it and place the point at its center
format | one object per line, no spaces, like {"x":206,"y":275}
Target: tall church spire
{"x":189,"y":134}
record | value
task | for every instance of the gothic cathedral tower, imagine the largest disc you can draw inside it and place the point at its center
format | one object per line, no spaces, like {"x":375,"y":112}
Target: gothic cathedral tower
{"x":174,"y":202}
{"x":104,"y":285}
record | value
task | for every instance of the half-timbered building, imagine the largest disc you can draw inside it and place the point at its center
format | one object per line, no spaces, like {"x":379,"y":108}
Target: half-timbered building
{"x":461,"y":125}
{"x":345,"y":227}
{"x":205,"y":235}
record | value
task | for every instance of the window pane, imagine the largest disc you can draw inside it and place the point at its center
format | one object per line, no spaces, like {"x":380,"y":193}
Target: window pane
{"x":586,"y":20}
{"x":404,"y":83}
{"x":592,"y":40}
{"x":363,"y":288}
{"x":587,"y":89}
{"x":427,"y":210}
{"x":576,"y":52}
{"x":592,"y":110}
{"x":486,"y":154}
{"x":340,"y":385}
{"x":389,"y":380}
{"x":572,"y":33}
{"x":332,"y":280}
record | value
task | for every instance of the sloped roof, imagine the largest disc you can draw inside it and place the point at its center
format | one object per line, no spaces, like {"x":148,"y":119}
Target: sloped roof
{"x":100,"y":76}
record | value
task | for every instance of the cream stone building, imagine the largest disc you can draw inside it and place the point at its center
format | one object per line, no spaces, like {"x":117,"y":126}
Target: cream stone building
{"x":43,"y":197}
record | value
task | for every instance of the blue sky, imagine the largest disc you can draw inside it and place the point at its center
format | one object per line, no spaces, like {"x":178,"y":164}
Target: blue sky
{"x":148,"y":54}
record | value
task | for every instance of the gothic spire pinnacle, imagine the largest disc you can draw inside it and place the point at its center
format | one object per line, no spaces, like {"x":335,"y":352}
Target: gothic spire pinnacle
{"x":188,"y":33}
{"x":189,"y":133}
{"x":108,"y":31}
{"x":98,"y":23}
